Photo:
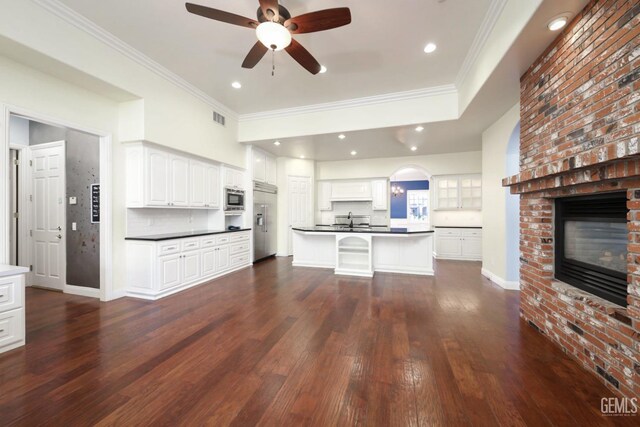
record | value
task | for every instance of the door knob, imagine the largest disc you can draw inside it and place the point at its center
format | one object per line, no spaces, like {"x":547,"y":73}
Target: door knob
{"x":59,"y":228}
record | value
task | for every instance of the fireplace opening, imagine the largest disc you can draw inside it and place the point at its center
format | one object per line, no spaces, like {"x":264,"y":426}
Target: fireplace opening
{"x":591,"y":244}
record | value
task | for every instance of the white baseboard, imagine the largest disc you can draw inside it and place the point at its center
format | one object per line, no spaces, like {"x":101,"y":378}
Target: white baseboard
{"x":118,"y":293}
{"x":82,"y":291}
{"x":282,"y":254}
{"x":505,"y":284}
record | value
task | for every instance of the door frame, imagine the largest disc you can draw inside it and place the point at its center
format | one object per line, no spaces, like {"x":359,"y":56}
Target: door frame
{"x":106,"y":292}
{"x":24,"y":181}
{"x":30,"y":222}
{"x":311,"y":196}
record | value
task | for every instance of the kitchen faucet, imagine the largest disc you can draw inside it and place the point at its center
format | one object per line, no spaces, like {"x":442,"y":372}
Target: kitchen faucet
{"x":349,"y":217}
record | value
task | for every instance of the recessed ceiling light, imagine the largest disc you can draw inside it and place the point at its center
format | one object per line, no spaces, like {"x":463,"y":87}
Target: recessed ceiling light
{"x":558,"y":22}
{"x":414,"y":148}
{"x":323,"y":69}
{"x":342,"y":136}
{"x":236,"y":85}
{"x":354,"y":152}
{"x":276,"y":143}
{"x":430,"y":48}
{"x":302,"y":157}
{"x":419,"y":129}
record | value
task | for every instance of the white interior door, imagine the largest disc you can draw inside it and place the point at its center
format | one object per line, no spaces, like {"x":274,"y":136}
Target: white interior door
{"x":300,"y":205}
{"x":49,"y":237}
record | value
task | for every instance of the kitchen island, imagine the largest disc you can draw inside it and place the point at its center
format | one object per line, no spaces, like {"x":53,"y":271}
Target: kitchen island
{"x":362,"y":251}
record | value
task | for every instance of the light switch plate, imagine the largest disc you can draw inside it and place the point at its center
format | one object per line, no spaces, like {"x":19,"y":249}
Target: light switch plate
{"x":74,"y":226}
{"x":73,"y":200}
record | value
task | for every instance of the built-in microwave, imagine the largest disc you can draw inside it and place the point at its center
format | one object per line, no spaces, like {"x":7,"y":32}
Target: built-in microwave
{"x":233,"y":199}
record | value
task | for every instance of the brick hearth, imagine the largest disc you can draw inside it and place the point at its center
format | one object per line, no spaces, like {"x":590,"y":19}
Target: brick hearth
{"x":580,"y":124}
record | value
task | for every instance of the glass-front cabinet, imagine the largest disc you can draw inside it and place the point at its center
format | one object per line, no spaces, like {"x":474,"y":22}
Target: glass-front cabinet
{"x":458,"y":192}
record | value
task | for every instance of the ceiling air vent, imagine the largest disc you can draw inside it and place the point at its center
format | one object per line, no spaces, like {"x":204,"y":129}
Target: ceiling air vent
{"x":219,"y":118}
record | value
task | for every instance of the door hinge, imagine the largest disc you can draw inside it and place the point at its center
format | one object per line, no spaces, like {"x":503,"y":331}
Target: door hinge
{"x":30,"y":267}
{"x":30,"y":233}
{"x":30,"y":162}
{"x":16,"y":215}
{"x":16,"y":162}
{"x":31,"y":197}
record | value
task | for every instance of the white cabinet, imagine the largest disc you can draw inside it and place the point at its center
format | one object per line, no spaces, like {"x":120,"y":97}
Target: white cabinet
{"x":458,"y":192}
{"x":159,"y":178}
{"x":259,"y":166}
{"x":380,"y":195}
{"x":198,"y":178}
{"x":233,"y":178}
{"x":351,"y":191}
{"x":324,"y":196}
{"x":157,"y":269}
{"x":272,"y":170}
{"x":212,"y":187}
{"x":264,"y":167}
{"x":12,"y":321}
{"x":459,"y":243}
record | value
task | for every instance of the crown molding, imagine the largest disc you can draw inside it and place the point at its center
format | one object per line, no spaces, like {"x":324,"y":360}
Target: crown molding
{"x":486,"y":27}
{"x":352,"y":103}
{"x":74,"y":18}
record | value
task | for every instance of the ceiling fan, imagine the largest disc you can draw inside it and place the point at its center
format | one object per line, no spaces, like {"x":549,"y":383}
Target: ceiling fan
{"x":275,"y":26}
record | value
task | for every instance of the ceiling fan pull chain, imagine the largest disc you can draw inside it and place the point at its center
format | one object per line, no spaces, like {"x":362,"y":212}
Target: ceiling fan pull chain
{"x":273,"y":62}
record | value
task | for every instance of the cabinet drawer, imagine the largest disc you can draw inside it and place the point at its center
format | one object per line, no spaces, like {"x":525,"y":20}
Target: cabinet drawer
{"x":449,"y":232}
{"x":11,"y":327}
{"x":168,"y":248}
{"x":238,"y":237}
{"x":240,"y":259}
{"x":221,"y":240}
{"x":241,"y":247}
{"x":11,"y":291}
{"x":207,"y":241}
{"x":190,"y":245}
{"x":472,"y":233}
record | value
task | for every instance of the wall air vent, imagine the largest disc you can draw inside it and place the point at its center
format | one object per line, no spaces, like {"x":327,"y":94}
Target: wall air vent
{"x":219,"y":118}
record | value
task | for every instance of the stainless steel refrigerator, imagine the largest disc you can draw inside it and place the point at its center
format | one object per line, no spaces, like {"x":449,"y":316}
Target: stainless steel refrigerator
{"x":264,"y":220}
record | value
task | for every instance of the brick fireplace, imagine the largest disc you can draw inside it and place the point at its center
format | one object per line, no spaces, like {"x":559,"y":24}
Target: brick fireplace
{"x":580,"y":130}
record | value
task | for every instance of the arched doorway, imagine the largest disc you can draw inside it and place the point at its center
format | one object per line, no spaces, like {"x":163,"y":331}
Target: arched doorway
{"x":512,"y":213}
{"x":410,"y":197}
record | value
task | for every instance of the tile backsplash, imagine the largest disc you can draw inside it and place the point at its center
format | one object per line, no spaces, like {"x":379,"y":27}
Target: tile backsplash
{"x":357,"y":208}
{"x":141,"y":222}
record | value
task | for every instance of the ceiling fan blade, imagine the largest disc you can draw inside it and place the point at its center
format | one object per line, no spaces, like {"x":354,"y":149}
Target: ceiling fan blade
{"x":303,"y":57}
{"x":255,"y":55}
{"x":221,"y":15}
{"x":319,"y":21}
{"x":270,"y":9}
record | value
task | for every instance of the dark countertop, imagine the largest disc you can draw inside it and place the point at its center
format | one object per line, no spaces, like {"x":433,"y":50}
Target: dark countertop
{"x":183,"y":234}
{"x":452,"y":226}
{"x":373,"y":230}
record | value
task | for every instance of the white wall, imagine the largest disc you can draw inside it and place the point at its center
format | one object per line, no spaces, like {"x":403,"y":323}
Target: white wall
{"x":18,"y":131}
{"x":494,"y":222}
{"x":291,"y":167}
{"x":437,"y":164}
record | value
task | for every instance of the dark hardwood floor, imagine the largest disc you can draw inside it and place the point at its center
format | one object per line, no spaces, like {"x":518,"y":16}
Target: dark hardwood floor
{"x":277,"y":345}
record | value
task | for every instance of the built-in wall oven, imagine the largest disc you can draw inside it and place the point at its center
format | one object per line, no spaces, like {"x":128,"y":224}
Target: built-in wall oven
{"x":233,"y":199}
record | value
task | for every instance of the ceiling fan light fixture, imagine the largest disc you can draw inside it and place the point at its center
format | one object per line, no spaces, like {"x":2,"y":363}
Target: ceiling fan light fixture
{"x":323,"y":69}
{"x":273,"y":35}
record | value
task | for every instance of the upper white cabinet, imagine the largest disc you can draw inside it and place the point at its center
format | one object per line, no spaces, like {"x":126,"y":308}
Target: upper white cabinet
{"x":351,"y":191}
{"x":380,"y":194}
{"x":324,"y":196}
{"x":458,"y":192}
{"x":259,"y":166}
{"x":272,"y":170}
{"x":159,"y":178}
{"x":233,"y":178}
{"x":264,"y":167}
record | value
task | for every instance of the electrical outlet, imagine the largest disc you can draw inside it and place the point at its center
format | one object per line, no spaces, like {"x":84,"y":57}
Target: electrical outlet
{"x":73,"y":200}
{"x":74,"y":226}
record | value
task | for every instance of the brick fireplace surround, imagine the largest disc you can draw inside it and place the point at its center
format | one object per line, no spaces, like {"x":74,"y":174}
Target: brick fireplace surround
{"x":580,"y":134}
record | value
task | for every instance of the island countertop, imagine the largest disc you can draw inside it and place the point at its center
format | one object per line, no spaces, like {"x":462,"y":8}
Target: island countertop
{"x":183,"y":234}
{"x":367,"y":230}
{"x":12,"y":270}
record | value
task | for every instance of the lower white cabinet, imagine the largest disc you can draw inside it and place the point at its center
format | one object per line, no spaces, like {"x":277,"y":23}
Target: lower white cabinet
{"x":156,"y":269}
{"x":12,"y":321}
{"x":459,"y":243}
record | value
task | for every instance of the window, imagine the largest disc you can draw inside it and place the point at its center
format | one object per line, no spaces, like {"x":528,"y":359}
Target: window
{"x":418,"y":206}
